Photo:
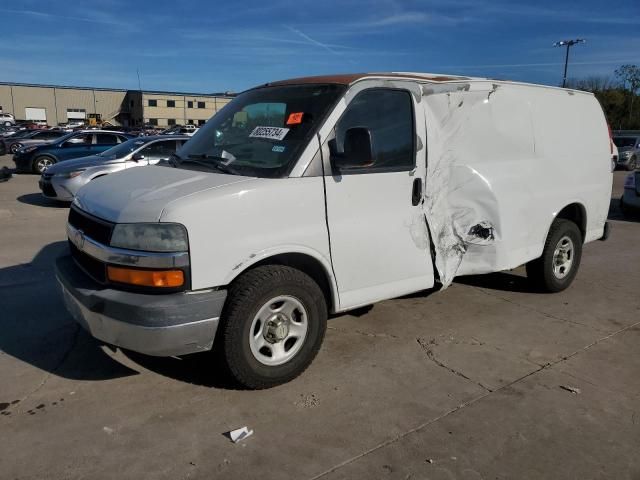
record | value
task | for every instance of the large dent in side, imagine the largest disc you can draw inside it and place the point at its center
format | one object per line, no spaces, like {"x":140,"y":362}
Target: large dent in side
{"x":460,"y":205}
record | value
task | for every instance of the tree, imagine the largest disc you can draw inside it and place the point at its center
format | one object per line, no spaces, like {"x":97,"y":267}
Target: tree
{"x":630,"y":77}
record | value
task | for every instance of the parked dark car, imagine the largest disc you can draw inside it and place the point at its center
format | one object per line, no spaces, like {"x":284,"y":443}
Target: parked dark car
{"x":37,"y":158}
{"x":628,"y":150}
{"x":14,"y":142}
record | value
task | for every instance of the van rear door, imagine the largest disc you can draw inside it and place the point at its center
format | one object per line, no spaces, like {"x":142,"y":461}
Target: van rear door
{"x":379,"y":241}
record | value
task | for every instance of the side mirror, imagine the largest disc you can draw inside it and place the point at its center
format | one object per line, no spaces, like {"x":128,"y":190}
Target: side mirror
{"x":358,"y":150}
{"x":137,"y":156}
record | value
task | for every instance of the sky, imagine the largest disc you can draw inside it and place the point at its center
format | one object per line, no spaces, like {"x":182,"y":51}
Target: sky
{"x":223,"y":45}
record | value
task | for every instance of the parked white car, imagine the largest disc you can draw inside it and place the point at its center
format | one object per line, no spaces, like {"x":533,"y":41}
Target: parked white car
{"x":62,"y":181}
{"x":7,"y":119}
{"x":325,"y":194}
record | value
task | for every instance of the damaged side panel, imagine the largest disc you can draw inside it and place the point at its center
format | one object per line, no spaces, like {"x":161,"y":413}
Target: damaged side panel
{"x":473,"y":151}
{"x":504,"y":159}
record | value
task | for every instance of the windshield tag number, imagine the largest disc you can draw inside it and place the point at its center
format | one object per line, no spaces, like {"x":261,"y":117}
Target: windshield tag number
{"x":270,"y":133}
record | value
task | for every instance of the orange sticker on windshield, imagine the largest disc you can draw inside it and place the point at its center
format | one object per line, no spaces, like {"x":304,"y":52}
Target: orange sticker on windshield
{"x":295,"y":118}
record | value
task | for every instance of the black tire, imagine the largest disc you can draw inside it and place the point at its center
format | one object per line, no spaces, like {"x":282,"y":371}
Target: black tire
{"x":541,"y":270}
{"x":14,"y":147}
{"x":37,"y":167}
{"x":624,"y":208}
{"x":247,"y":295}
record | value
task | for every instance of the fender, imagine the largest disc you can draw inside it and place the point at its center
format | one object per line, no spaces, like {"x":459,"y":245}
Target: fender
{"x":246,"y":263}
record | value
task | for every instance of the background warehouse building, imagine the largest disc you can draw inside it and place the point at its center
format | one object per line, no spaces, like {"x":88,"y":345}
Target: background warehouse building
{"x":59,"y":104}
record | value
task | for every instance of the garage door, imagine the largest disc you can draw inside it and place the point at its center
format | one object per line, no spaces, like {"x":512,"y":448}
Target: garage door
{"x":76,"y":114}
{"x":35,"y":114}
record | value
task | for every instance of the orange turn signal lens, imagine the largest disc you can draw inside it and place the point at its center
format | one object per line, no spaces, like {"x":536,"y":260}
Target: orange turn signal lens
{"x":146,"y":278}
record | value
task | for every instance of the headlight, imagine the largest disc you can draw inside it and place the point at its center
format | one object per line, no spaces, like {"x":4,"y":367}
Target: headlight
{"x":27,"y":149}
{"x":150,"y":237}
{"x":626,"y":154}
{"x":75,"y":173}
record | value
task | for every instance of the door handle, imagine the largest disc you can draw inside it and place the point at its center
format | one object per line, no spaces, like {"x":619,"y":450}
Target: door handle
{"x":416,"y":193}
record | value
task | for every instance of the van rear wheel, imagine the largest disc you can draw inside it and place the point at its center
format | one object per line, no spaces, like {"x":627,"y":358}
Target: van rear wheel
{"x":557,"y":267}
{"x":272,"y":326}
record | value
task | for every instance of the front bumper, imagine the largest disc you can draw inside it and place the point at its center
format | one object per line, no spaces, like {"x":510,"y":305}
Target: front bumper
{"x":23,"y":162}
{"x":153,"y":324}
{"x":623,"y":160}
{"x":631,"y":198}
{"x":59,"y":189}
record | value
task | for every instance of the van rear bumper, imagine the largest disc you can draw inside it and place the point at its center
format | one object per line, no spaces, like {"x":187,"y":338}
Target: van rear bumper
{"x":159,"y":325}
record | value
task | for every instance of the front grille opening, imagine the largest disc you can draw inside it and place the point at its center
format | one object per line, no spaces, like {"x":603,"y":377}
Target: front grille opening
{"x":94,"y":268}
{"x":95,"y":228}
{"x":48,"y":190}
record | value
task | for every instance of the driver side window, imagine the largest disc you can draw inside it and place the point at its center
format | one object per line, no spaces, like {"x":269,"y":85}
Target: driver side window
{"x":82,"y":139}
{"x":388,"y":115}
{"x":159,"y":150}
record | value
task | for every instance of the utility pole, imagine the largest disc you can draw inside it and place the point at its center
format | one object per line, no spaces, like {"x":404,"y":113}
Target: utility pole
{"x":568,"y":44}
{"x":141,"y":101}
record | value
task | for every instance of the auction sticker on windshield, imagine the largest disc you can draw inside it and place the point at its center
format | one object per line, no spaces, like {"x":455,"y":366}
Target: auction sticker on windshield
{"x":270,"y":133}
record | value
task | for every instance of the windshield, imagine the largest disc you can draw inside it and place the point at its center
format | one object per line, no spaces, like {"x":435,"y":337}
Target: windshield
{"x":24,"y":134}
{"x":261,"y":132}
{"x":123,"y":149}
{"x":622,"y":142}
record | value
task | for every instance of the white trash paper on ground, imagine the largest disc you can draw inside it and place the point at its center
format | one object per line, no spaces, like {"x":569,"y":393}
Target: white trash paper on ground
{"x":240,"y":434}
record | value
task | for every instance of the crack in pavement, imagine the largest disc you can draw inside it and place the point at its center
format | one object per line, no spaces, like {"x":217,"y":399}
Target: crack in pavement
{"x":361,"y":332}
{"x":63,"y":359}
{"x":431,"y":356}
{"x":468,"y":403}
{"x":531,"y":309}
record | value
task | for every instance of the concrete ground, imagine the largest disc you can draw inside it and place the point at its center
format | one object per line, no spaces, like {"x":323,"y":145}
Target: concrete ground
{"x":476,"y":382}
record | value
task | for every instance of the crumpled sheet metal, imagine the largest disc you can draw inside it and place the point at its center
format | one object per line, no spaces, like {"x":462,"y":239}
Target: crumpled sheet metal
{"x":461,"y":207}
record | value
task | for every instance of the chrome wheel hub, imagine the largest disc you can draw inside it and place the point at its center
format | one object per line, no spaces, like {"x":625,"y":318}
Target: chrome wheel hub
{"x":563,"y":257}
{"x":44,"y":163}
{"x":278,"y":330}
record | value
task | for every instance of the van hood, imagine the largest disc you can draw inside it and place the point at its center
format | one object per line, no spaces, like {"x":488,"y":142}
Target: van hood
{"x":82,"y":163}
{"x":140,"y":194}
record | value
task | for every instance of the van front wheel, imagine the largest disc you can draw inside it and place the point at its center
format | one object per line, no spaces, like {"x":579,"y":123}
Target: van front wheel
{"x":557,"y":267}
{"x":272,"y":326}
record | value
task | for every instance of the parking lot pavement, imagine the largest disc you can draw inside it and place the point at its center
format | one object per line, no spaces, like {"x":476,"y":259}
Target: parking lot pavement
{"x":465,"y":383}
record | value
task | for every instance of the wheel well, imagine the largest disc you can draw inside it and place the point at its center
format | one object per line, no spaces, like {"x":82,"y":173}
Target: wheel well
{"x":308,"y":265}
{"x":575,"y":213}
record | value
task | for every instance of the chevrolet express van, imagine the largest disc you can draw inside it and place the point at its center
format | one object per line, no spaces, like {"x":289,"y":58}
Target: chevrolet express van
{"x":318,"y":195}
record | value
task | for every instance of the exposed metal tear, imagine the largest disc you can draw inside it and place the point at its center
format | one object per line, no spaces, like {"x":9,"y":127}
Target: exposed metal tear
{"x":494,"y":88}
{"x":482,"y":230}
{"x":433,"y":89}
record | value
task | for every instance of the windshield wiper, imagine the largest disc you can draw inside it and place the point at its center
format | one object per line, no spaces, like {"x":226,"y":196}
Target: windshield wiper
{"x":219,"y":165}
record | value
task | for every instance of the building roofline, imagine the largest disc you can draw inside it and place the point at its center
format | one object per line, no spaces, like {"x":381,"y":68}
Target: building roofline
{"x":104,"y":89}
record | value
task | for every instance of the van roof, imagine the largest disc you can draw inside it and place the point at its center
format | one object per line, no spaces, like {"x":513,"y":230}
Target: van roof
{"x":350,"y":78}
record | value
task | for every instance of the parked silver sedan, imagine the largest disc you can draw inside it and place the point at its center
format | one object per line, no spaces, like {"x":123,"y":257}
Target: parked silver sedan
{"x":62,"y":181}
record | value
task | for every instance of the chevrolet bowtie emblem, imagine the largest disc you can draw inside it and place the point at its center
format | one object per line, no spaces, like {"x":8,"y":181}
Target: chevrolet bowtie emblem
{"x":79,"y":239}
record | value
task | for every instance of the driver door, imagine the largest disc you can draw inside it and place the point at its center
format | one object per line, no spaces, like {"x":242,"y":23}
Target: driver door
{"x":379,"y":241}
{"x":77,"y":146}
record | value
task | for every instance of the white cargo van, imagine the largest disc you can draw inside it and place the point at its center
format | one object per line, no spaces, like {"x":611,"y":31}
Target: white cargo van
{"x":323,"y":194}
